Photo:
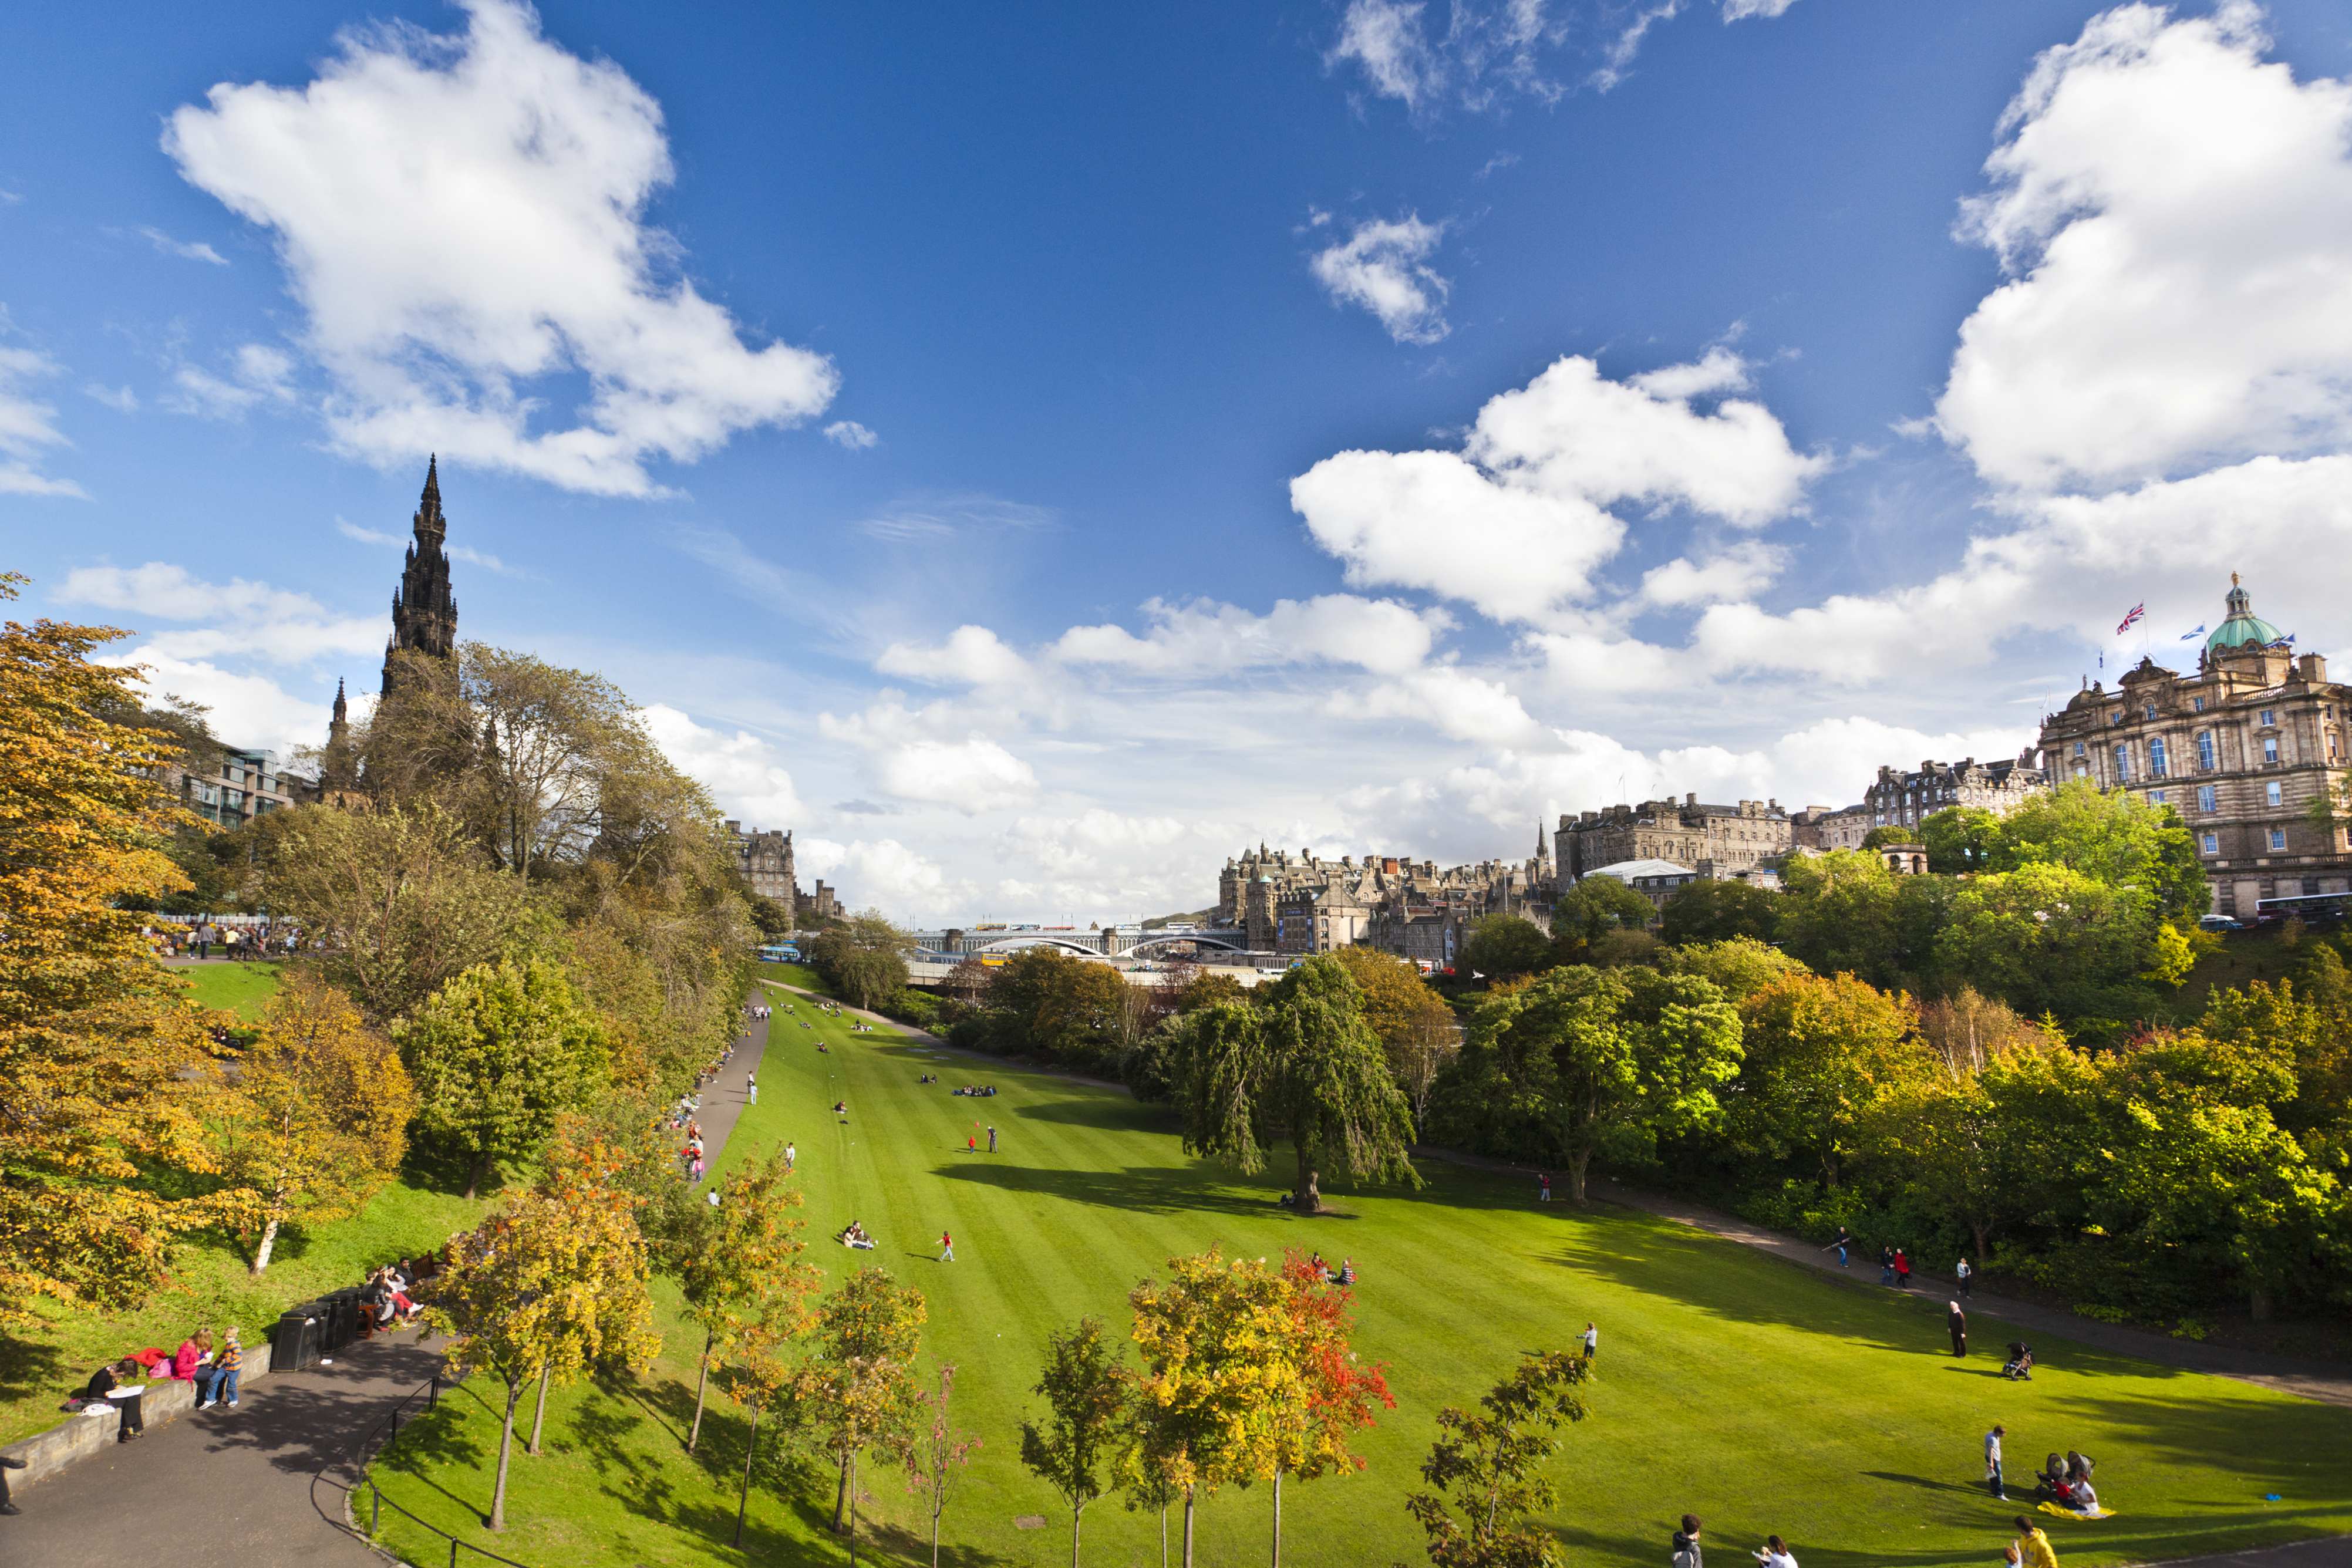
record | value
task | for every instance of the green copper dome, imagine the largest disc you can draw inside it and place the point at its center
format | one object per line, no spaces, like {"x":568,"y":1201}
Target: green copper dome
{"x":2243,"y":629}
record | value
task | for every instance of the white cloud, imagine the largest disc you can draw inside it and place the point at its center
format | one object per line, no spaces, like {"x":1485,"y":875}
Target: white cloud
{"x":258,"y":374}
{"x":2175,"y":212}
{"x":1384,"y":266}
{"x":186,"y":250}
{"x":1383,"y":40}
{"x":28,"y":426}
{"x":1516,"y":524}
{"x":1203,"y":638}
{"x":1486,"y":51}
{"x":851,"y":435}
{"x":909,"y":757}
{"x":971,"y":656}
{"x":466,"y":553}
{"x":246,"y":709}
{"x":462,"y":220}
{"x":242,"y":619}
{"x":1452,"y":701}
{"x":1741,"y":10}
{"x":1739,"y":573}
{"x":885,"y":874}
{"x":121,"y":399}
{"x":740,"y":770}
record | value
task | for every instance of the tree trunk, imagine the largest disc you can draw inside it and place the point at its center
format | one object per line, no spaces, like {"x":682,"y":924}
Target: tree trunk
{"x":1277,"y":1518}
{"x":935,"y":1539}
{"x":852,"y":1509}
{"x":1308,"y":1198}
{"x":505,"y":1448}
{"x":538,"y":1415}
{"x":1163,"y":1535}
{"x":474,"y":1174}
{"x":1983,"y":1249}
{"x":1577,"y":1162}
{"x":268,"y":1240}
{"x":701,"y":1384}
{"x":743,"y":1498}
{"x":841,"y":1494}
{"x":1187,"y":1527}
{"x":1076,"y":1515}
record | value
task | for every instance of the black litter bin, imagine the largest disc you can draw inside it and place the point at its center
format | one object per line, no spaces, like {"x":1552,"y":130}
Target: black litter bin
{"x":341,"y":1318}
{"x":295,"y":1345}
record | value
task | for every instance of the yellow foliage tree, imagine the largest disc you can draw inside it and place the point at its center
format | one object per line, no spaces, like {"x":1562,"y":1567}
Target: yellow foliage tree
{"x":315,"y":1117}
{"x":98,"y":1048}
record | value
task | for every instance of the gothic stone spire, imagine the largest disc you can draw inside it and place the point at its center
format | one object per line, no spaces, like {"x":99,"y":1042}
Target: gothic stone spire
{"x":424,"y":610}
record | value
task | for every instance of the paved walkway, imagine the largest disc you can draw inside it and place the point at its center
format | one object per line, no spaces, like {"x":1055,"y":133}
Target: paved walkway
{"x":262,"y":1485}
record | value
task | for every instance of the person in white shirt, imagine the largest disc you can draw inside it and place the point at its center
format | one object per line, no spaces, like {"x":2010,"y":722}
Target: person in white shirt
{"x":1992,"y":1463}
{"x":1964,"y":1274}
{"x":1592,"y":1341}
{"x":1775,"y":1553}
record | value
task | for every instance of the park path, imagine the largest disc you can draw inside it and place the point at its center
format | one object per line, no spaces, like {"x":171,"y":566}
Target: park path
{"x":262,"y":1486}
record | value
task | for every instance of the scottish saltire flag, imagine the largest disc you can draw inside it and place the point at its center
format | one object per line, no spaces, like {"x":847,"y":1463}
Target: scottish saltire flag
{"x":2190,"y":636}
{"x":2139,"y":613}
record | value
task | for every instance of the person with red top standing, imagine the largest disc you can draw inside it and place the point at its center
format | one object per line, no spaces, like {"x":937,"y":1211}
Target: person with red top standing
{"x":947,"y":1248}
{"x":1902,"y":1269}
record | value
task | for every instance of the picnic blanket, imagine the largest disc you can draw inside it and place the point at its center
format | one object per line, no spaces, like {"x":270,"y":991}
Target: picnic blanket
{"x":2076,"y":1513}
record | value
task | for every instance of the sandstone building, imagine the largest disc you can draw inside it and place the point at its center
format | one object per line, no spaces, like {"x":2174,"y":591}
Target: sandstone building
{"x":1711,"y":841}
{"x":2243,"y":749}
{"x":1904,"y":800}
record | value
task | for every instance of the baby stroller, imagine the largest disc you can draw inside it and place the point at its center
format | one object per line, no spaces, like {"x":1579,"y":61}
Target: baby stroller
{"x":2018,"y":1367}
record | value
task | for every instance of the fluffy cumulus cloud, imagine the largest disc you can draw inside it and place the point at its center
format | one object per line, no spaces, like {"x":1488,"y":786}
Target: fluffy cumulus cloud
{"x":740,"y":770}
{"x":245,"y":707}
{"x":850,"y":435}
{"x":29,"y":426}
{"x":1456,"y":703}
{"x":914,"y":756}
{"x":1518,"y":522}
{"x":2175,"y":212}
{"x":1736,"y":573}
{"x":1384,"y":266}
{"x":971,"y":656}
{"x":1204,"y":637}
{"x":237,"y":619}
{"x":256,"y":374}
{"x":462,"y":221}
{"x":885,"y":874}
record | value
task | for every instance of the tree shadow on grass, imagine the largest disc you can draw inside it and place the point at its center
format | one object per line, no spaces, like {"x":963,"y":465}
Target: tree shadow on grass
{"x":438,"y":1441}
{"x":915,"y":1546}
{"x":1137,"y":1190}
{"x":28,"y":1364}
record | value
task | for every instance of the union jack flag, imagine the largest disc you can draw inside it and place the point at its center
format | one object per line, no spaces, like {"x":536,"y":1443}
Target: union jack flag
{"x":2139,"y":613}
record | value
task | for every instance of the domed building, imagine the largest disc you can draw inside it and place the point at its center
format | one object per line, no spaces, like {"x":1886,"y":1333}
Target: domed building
{"x":2242,"y":749}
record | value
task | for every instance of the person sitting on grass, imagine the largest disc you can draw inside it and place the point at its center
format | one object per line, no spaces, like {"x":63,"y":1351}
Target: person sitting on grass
{"x":854,"y":1235}
{"x":2086,"y":1501}
{"x":1347,"y":1271}
{"x":841,"y":1107}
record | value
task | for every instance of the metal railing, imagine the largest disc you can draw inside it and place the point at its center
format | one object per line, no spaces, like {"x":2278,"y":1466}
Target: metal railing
{"x":368,"y":1450}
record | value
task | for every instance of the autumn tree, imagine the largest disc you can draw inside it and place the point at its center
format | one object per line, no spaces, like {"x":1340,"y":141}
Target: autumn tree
{"x":857,"y":1390}
{"x":1738,"y":966}
{"x":101,"y":1059}
{"x":1316,"y":1414}
{"x":401,"y":901}
{"x":757,"y":1377}
{"x":1415,"y":1027}
{"x":1057,"y":1005}
{"x":1211,"y":1340}
{"x":1077,"y":1448}
{"x":741,"y":1269}
{"x":863,"y":958}
{"x":316,"y":1118}
{"x":937,"y":1452}
{"x":1485,"y":1470}
{"x":553,"y":1282}
{"x":499,"y":1054}
{"x":550,"y":738}
{"x":1306,"y":1066}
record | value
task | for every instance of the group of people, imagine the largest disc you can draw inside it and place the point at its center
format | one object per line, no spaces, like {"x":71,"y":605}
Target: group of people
{"x":390,"y":1296}
{"x":234,"y":941}
{"x":976,"y":1091}
{"x":691,"y":1154}
{"x":2066,"y":1482}
{"x":121,"y":1385}
{"x":1343,"y":1275}
{"x":1688,"y":1548}
{"x":854,"y":1235}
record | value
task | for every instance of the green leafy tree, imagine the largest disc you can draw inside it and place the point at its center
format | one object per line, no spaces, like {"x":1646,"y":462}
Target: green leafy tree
{"x":498,"y":1055}
{"x":1817,"y":1054}
{"x":1895,"y":833}
{"x":2046,"y":937}
{"x":1485,"y":1471}
{"x":857,"y":1391}
{"x":1213,"y":1374}
{"x":1076,"y":1449}
{"x":2110,"y":836}
{"x":1960,"y":840}
{"x":1594,"y":909}
{"x":1738,"y":966}
{"x":1307,"y":1067}
{"x":1505,"y":946}
{"x":1057,"y":1004}
{"x":863,"y":958}
{"x":1720,"y":910}
{"x":742,"y":1271}
{"x":1840,"y":914}
{"x":2307,"y":1027}
{"x":1580,"y":1061}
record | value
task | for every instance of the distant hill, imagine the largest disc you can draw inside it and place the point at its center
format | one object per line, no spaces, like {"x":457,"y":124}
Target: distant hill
{"x":1198,"y":917}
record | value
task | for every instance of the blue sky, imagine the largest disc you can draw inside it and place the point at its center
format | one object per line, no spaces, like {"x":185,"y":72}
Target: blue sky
{"x":1033,"y":452}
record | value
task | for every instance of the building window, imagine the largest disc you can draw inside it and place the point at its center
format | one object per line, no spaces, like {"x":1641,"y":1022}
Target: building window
{"x":2271,"y":793}
{"x":2151,"y":710}
{"x":2197,"y":704}
{"x":2123,"y":764}
{"x":2270,"y":749}
{"x":2078,"y":749}
{"x":2213,"y":843}
{"x":2156,"y":758}
{"x":2269,"y":717}
{"x":2155,"y":797}
{"x":2278,"y":838}
{"x":2207,"y":800}
{"x":2205,"y":749}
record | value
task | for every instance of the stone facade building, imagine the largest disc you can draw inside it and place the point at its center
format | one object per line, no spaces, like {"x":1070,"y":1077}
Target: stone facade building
{"x":1656,"y":880}
{"x":1904,"y":800}
{"x":1319,"y":920}
{"x":764,"y":862}
{"x":1821,"y":829}
{"x":1306,"y":904}
{"x":2243,"y":749}
{"x":1712,"y":841}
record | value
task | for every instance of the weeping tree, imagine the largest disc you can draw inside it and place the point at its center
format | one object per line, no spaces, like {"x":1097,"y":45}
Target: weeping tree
{"x":1307,"y":1067}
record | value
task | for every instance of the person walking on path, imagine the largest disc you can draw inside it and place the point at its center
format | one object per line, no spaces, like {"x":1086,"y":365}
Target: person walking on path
{"x":1887,"y":1265}
{"x":1845,"y":1239}
{"x":1993,"y":1464}
{"x":991,"y":1139}
{"x":1964,"y":1274}
{"x":1543,"y":1186}
{"x":2032,"y":1546}
{"x":1592,"y":1340}
{"x":8,"y":1504}
{"x":1959,"y":1324}
{"x":1687,"y":1548}
{"x":792,"y":1155}
{"x":751,"y":1087}
{"x":1902,"y":1269}
{"x":947,"y":1248}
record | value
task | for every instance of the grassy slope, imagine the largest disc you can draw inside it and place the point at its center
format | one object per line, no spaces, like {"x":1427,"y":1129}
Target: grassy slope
{"x":210,"y":1284}
{"x":241,"y":988}
{"x":1763,"y":1398}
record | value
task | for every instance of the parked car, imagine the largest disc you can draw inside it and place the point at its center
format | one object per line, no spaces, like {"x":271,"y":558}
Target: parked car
{"x":2219,"y":923}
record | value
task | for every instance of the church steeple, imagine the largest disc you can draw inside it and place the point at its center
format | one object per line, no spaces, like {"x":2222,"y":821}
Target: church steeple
{"x":424,"y":610}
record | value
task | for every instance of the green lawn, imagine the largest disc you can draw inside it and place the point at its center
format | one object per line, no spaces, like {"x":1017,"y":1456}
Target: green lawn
{"x":240,"y":987}
{"x":1759,"y":1395}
